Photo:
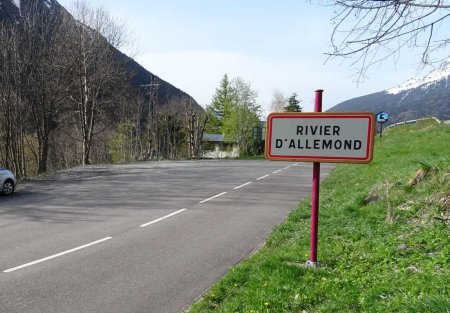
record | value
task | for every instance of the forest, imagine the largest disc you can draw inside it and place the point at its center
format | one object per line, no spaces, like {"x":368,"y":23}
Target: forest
{"x":69,"y":98}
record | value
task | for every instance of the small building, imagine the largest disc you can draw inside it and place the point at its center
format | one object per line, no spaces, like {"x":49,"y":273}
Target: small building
{"x":260,"y":137}
{"x":214,"y":146}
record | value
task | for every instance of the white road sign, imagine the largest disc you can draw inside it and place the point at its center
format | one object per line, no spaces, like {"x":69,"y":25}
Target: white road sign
{"x":320,"y":137}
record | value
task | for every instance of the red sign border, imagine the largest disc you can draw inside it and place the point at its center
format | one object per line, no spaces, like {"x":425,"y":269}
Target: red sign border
{"x":370,"y":137}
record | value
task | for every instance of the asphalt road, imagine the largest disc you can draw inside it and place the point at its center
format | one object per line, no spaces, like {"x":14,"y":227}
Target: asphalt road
{"x":146,"y":237}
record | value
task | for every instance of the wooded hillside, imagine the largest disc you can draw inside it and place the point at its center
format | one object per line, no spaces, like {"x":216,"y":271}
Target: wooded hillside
{"x":69,"y":97}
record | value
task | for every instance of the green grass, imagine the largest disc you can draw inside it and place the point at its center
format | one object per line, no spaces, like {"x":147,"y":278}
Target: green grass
{"x":383,"y":243}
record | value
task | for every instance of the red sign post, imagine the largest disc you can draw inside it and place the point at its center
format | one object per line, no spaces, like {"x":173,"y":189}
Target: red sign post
{"x":320,"y":137}
{"x":315,"y":195}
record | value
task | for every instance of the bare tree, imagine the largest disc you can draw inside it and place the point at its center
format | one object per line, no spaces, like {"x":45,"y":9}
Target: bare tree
{"x":44,"y":73}
{"x":97,"y":73}
{"x":149,"y":119}
{"x":278,"y":102}
{"x":13,"y":113}
{"x":372,"y":31}
{"x":194,"y":121}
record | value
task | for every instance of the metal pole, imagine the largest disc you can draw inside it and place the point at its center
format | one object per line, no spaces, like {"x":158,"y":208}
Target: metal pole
{"x":315,"y":194}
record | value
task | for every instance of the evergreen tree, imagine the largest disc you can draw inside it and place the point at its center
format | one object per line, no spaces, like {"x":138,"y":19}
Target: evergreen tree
{"x":293,"y":104}
{"x":220,"y":107}
{"x":235,"y":113}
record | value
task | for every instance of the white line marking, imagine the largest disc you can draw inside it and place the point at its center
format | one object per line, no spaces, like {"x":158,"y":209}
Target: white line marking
{"x":242,"y":185}
{"x":276,"y":172}
{"x":287,"y":167}
{"x":262,"y":177}
{"x":93,"y":177}
{"x":220,"y":194}
{"x":162,"y":218}
{"x":55,"y":255}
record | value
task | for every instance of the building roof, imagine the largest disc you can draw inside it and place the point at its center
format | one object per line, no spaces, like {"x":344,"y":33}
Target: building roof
{"x":213,"y":137}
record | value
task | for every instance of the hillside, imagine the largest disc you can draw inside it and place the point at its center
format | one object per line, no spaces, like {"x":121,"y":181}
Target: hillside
{"x":383,"y":239}
{"x":10,"y":11}
{"x":416,"y":98}
{"x":77,"y":99}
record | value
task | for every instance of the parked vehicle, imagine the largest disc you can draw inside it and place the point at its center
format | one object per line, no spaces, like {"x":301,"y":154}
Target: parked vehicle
{"x":7,"y":181}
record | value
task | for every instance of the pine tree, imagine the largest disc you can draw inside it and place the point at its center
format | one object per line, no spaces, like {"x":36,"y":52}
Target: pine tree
{"x":293,"y":104}
{"x":235,"y":113}
{"x":220,"y":107}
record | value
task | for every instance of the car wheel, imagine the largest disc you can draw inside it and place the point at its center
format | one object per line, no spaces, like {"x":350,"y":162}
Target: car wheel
{"x":8,"y":187}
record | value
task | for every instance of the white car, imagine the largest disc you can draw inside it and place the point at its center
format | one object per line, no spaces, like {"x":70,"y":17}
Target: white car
{"x":7,"y":181}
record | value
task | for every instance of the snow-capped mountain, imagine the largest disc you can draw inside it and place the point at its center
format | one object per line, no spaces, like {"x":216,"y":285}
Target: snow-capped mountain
{"x":47,"y":3}
{"x":416,"y":98}
{"x":10,"y":9}
{"x":443,"y":72}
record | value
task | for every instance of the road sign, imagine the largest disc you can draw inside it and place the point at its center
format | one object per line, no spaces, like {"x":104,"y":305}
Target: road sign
{"x":382,"y":117}
{"x":320,"y":137}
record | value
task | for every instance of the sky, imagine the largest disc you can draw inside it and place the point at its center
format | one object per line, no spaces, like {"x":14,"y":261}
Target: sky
{"x":274,"y":45}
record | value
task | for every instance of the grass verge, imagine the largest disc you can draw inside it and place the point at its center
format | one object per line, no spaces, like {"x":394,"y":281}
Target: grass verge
{"x":384,"y":241}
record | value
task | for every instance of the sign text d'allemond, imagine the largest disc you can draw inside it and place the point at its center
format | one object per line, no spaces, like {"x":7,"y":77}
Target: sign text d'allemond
{"x":318,"y":144}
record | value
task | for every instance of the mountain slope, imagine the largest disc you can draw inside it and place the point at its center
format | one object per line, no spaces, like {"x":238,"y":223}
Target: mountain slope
{"x":10,"y":12}
{"x":416,"y":98}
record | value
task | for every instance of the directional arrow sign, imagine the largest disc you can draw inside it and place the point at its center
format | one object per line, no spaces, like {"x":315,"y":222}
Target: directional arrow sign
{"x":382,"y":117}
{"x":320,"y":137}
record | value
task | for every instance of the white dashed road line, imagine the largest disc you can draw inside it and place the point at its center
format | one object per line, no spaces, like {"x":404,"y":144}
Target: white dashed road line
{"x":143,"y":225}
{"x":262,"y":177}
{"x":56,"y":255}
{"x":213,"y":197}
{"x":162,"y":218}
{"x":242,"y":185}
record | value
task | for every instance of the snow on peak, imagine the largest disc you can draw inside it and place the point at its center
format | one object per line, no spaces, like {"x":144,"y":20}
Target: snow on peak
{"x":442,"y":72}
{"x":48,"y":3}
